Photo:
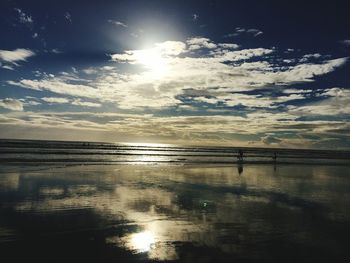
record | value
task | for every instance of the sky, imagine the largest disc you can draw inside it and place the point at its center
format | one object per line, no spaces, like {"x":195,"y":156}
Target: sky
{"x":233,"y":73}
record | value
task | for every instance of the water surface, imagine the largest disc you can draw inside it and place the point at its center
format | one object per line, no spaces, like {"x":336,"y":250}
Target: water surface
{"x":182,"y":213}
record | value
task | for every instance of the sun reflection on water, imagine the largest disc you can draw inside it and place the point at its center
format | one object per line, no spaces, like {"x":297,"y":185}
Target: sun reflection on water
{"x":142,"y":242}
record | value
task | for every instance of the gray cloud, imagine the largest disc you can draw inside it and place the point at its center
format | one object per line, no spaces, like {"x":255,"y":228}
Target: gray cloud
{"x":346,"y":42}
{"x":240,"y":30}
{"x":68,"y":17}
{"x":117,"y":23}
{"x":11,"y":104}
{"x":23,"y":17}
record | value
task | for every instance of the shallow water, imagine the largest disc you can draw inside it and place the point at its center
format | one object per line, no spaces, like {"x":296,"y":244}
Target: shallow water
{"x":36,"y":151}
{"x":185,"y":213}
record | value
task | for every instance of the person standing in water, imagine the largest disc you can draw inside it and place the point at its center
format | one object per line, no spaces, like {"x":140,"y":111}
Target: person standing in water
{"x":274,"y":157}
{"x":240,"y":155}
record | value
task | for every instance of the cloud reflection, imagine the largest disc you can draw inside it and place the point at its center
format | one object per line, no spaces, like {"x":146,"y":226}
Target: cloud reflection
{"x":156,"y":211}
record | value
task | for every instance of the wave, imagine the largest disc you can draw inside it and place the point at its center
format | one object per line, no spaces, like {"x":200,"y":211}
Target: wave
{"x":68,"y":151}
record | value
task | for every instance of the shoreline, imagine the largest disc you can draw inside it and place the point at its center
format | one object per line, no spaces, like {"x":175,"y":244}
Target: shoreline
{"x":64,"y":164}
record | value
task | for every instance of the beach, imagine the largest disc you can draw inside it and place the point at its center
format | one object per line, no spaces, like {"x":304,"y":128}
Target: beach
{"x":140,"y":212}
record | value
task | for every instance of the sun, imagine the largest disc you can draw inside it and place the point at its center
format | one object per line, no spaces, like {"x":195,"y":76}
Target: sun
{"x":153,"y":60}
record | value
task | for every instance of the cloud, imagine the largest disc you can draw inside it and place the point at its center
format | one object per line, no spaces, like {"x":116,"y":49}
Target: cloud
{"x":11,"y":104}
{"x":6,"y":67}
{"x":76,"y":102}
{"x":55,"y":100}
{"x":255,"y":32}
{"x":169,"y":73}
{"x":56,"y":51}
{"x":268,"y":140}
{"x":228,"y":45}
{"x":195,"y":17}
{"x":19,"y":54}
{"x":211,"y":83}
{"x":244,"y":54}
{"x":9,"y":59}
{"x":117,"y":23}
{"x":240,"y":30}
{"x":252,"y":101}
{"x":79,"y":102}
{"x":167,"y":48}
{"x":346,"y":42}
{"x":68,"y":17}
{"x":23,"y":17}
{"x":306,"y":72}
{"x":336,"y":102}
{"x":307,"y":57}
{"x":296,"y":91}
{"x":56,"y":85}
{"x":200,"y":42}
{"x":258,"y":127}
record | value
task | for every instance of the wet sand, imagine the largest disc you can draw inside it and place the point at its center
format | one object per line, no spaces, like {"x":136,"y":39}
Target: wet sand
{"x":181,"y":213}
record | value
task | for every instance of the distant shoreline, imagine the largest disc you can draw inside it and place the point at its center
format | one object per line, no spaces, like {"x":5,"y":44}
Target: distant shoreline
{"x":4,"y":141}
{"x":41,"y":151}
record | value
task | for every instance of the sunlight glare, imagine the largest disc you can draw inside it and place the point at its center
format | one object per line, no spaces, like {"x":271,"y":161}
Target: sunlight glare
{"x":153,"y":60}
{"x":143,"y":241}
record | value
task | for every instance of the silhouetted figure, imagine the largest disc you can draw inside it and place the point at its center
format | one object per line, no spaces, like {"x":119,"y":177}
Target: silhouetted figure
{"x":240,"y":168}
{"x":274,"y":157}
{"x":240,"y":155}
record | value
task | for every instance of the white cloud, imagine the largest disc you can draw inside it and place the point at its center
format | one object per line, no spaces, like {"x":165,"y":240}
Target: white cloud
{"x":296,"y":91}
{"x":288,"y":61}
{"x":79,"y":102}
{"x":56,"y":85}
{"x":163,"y":75}
{"x":250,"y":31}
{"x":13,"y":56}
{"x":171,"y":48}
{"x":304,"y":72}
{"x":164,"y":49}
{"x":252,"y":101}
{"x":23,"y":17}
{"x":213,"y":75}
{"x":307,"y":57}
{"x":117,"y":23}
{"x":200,"y":42}
{"x":337,"y":102}
{"x":245,"y":54}
{"x":9,"y":58}
{"x":56,"y":51}
{"x":255,"y":32}
{"x":228,"y":45}
{"x":6,"y":67}
{"x":76,"y":102}
{"x":11,"y":104}
{"x":31,"y":103}
{"x":55,"y":100}
{"x":90,"y":71}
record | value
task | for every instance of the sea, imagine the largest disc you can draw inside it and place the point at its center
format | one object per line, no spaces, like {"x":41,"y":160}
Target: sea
{"x":107,"y":202}
{"x":37,"y":151}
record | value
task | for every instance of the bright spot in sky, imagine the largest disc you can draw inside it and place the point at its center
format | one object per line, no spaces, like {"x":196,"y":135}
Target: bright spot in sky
{"x":153,"y":60}
{"x":143,"y":241}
